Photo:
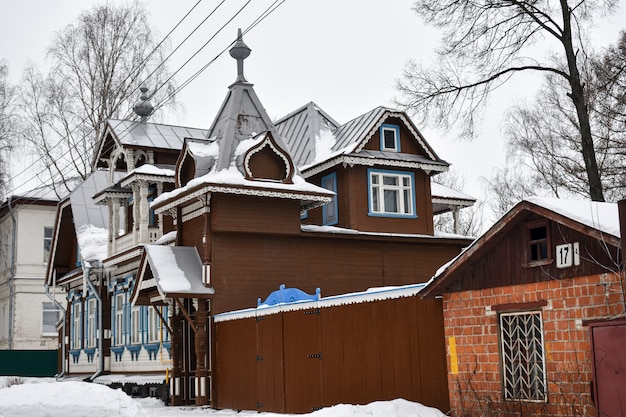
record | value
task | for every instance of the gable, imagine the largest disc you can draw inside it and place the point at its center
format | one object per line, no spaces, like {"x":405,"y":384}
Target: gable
{"x":532,"y":244}
{"x":267,"y":161}
{"x":406,"y":142}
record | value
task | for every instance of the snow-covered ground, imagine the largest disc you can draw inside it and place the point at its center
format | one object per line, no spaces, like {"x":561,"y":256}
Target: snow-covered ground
{"x":45,"y":397}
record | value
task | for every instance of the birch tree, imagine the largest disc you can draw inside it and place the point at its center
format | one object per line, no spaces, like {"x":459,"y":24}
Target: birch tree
{"x":8,"y":124}
{"x":96,"y":66}
{"x":486,"y":43}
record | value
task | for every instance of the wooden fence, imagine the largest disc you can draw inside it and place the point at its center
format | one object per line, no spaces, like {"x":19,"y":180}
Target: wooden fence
{"x":299,"y":360}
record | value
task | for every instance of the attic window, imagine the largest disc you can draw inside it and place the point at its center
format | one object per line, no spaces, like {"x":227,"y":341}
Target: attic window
{"x":538,"y":246}
{"x":390,"y":138}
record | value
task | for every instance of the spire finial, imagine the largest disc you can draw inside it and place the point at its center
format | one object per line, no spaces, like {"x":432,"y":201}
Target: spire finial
{"x":240,"y":51}
{"x":143,"y":107}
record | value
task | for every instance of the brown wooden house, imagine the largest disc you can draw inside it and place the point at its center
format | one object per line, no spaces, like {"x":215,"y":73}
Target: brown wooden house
{"x":534,"y":313}
{"x":235,"y":217}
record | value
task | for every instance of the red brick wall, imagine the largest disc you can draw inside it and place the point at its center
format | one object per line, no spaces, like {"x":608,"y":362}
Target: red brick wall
{"x":471,"y":325}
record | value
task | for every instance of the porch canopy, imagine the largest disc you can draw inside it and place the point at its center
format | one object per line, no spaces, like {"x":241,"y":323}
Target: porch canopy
{"x":169,"y":272}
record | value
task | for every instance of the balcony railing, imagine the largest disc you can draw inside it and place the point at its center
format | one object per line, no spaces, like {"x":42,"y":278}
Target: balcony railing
{"x":126,"y":241}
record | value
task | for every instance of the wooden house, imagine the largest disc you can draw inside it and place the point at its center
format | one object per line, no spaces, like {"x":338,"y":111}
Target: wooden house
{"x":534,"y":313}
{"x":151,"y":247}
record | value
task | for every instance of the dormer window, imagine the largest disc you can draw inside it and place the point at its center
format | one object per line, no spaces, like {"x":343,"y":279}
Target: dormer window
{"x":390,"y":138}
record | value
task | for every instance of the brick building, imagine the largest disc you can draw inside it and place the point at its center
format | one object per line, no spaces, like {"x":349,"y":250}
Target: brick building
{"x":534,"y":314}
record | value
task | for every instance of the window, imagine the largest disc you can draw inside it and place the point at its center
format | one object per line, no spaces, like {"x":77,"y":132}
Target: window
{"x":390,"y":138}
{"x":523,"y":362}
{"x":47,"y":243}
{"x":77,"y":333}
{"x":135,"y":325}
{"x":538,"y":242}
{"x":154,"y":325}
{"x":329,"y":210}
{"x":49,"y":319}
{"x":391,"y":193}
{"x":119,"y":320}
{"x":91,"y":329}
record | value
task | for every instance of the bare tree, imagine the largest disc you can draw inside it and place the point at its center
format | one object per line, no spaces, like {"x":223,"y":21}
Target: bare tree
{"x":487,"y":42}
{"x":543,"y":137}
{"x":97,"y":66}
{"x":469,"y":220}
{"x":8,"y":123}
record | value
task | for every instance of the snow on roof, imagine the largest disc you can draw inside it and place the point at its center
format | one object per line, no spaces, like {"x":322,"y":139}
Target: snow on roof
{"x":176,"y":269}
{"x":344,"y":231}
{"x":233,"y":177}
{"x":369,"y":295}
{"x":600,"y":216}
{"x":92,"y":241}
{"x":153,"y":170}
{"x":441,"y":191}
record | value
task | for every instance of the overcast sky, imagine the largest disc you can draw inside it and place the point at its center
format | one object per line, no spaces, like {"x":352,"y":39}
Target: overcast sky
{"x":344,"y":55}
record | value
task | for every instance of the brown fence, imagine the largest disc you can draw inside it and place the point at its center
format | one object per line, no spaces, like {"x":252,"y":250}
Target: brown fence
{"x":302,"y":360}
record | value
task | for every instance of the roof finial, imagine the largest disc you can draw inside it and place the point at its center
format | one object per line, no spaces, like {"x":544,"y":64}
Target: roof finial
{"x":240,"y":51}
{"x":143,"y":107}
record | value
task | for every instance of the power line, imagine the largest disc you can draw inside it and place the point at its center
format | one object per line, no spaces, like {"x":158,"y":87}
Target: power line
{"x":268,"y":11}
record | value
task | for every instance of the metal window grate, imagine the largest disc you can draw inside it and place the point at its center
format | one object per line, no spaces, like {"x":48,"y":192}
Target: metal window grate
{"x":523,"y":361}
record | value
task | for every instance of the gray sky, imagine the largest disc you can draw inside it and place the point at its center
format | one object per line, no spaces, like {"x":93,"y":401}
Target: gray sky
{"x":344,"y":55}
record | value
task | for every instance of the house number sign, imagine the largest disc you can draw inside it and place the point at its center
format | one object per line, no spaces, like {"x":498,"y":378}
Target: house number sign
{"x":567,"y":255}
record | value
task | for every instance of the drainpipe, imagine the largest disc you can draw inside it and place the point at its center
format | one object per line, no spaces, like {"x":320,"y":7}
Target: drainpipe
{"x":99,"y":370}
{"x":63,"y":313}
{"x":11,"y":280}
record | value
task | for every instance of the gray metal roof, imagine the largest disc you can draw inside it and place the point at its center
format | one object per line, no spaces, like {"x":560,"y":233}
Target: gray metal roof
{"x":351,"y":133}
{"x":84,"y":209}
{"x":300,"y":129}
{"x":153,"y":135}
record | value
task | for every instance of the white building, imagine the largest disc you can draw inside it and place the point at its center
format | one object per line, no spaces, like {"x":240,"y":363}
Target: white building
{"x":27,"y":314}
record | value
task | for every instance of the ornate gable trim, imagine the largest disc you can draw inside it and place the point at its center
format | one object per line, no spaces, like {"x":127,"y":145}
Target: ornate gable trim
{"x":269,"y":142}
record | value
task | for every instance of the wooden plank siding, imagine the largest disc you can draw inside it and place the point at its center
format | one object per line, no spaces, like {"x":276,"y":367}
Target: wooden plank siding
{"x":503,"y":262}
{"x":352,"y":353}
{"x":247,"y":266}
{"x":235,"y":372}
{"x":353,"y":205}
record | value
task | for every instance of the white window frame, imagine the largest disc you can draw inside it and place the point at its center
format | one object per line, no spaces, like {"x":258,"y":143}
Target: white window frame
{"x":135,"y":326}
{"x":396,"y":137}
{"x":154,"y":325}
{"x":119,"y":320}
{"x":77,"y":325}
{"x":522,"y":356}
{"x":91,"y":330}
{"x":47,"y":309}
{"x":47,"y":243}
{"x":378,"y":190}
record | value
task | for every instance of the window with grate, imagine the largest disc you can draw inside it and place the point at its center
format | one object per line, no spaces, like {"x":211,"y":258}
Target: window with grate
{"x":523,"y":356}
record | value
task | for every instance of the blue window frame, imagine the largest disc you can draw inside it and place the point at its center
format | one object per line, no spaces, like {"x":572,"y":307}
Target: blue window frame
{"x":390,"y":138}
{"x":391,"y":193}
{"x":329,"y":210}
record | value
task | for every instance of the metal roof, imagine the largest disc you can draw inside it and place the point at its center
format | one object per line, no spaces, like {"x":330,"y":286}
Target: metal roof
{"x":153,"y":135}
{"x":300,"y":129}
{"x":84,"y":209}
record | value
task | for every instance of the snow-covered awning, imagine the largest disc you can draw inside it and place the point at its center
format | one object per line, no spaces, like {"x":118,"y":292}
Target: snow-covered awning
{"x":169,"y":272}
